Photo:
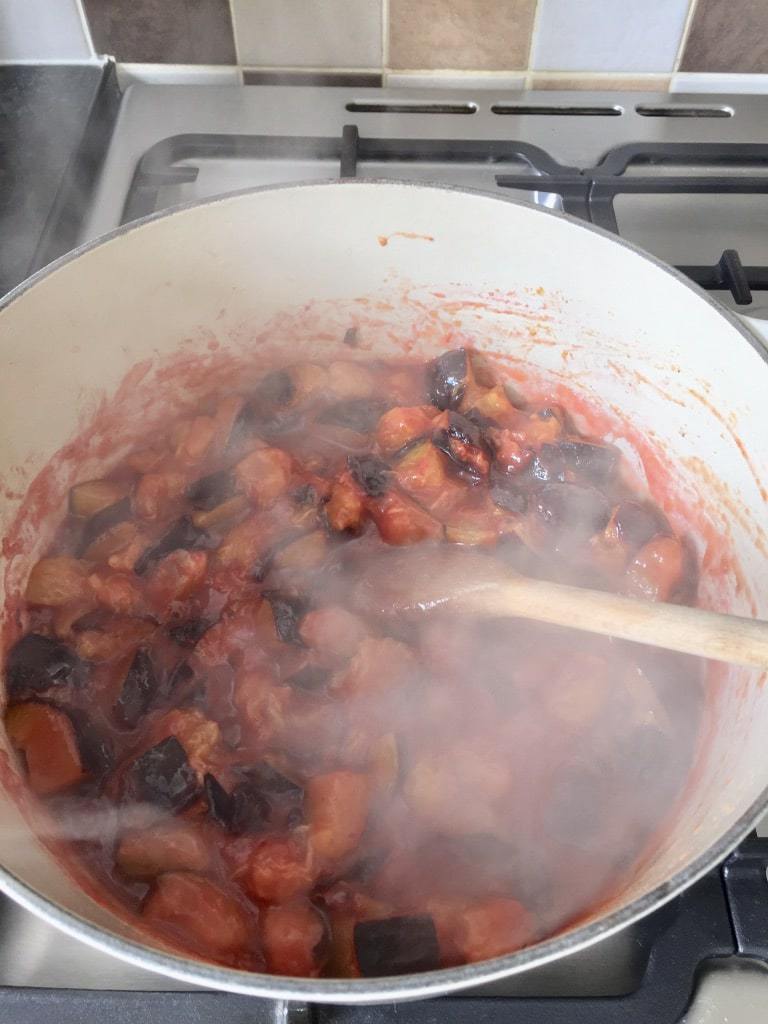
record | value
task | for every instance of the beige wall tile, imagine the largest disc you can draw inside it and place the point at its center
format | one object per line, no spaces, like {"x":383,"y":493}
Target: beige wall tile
{"x":481,"y":35}
{"x":308,"y":33}
{"x":728,"y":35}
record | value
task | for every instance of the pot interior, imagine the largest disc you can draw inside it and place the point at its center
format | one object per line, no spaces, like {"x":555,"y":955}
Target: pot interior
{"x":570,"y":311}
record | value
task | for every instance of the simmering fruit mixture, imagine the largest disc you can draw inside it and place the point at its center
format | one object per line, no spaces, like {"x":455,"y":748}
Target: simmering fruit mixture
{"x":270,"y":775}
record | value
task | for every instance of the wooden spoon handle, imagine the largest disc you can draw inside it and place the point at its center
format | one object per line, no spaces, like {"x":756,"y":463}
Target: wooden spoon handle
{"x":674,"y":627}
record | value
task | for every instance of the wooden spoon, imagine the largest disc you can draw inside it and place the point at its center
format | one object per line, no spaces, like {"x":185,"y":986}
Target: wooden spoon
{"x":462,"y":580}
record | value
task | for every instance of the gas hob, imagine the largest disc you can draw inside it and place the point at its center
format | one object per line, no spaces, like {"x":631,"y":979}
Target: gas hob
{"x":685,"y":177}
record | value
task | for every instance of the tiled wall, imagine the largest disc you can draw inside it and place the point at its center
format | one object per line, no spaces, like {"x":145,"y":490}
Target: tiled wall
{"x":541,"y":43}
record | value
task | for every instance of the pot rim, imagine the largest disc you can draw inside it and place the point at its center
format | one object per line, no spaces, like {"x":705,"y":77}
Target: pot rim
{"x":409,"y":986}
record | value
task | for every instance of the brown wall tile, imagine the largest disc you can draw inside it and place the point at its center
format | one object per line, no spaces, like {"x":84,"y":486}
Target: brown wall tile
{"x":728,"y":35}
{"x":484,"y":35}
{"x":163,"y":31}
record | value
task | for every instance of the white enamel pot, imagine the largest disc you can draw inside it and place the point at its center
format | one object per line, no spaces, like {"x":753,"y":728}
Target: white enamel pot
{"x":413,"y":266}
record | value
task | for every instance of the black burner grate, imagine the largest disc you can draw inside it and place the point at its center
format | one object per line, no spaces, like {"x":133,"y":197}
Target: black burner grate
{"x":588,"y":193}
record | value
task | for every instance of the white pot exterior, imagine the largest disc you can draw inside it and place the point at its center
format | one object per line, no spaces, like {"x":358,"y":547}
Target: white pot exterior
{"x":636,"y":339}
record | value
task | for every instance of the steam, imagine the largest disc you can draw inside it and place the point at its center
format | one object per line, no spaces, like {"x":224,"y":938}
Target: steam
{"x":505,"y":759}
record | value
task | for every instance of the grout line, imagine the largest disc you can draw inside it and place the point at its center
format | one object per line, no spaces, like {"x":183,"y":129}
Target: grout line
{"x":627,"y":75}
{"x":534,"y":30}
{"x":684,"y":36}
{"x":456,"y":72}
{"x":303,"y":69}
{"x":56,"y":62}
{"x":238,"y":61}
{"x":86,"y":26}
{"x":384,"y":35}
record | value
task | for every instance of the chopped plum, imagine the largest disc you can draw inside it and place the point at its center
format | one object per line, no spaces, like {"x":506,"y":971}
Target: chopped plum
{"x":189,"y":631}
{"x":210,"y":491}
{"x":461,"y":790}
{"x":158,"y":492}
{"x":507,"y":492}
{"x":224,"y":642}
{"x":294,"y":936}
{"x":199,"y":912}
{"x":656,"y":571}
{"x":36,"y":662}
{"x":396,"y":945}
{"x":401,"y":426}
{"x":579,"y":692}
{"x":287,"y":612}
{"x":113,"y":639}
{"x":243,"y":810}
{"x":118,"y":592}
{"x":333,"y":632}
{"x":311,"y":678}
{"x":163,"y":776}
{"x":358,"y":414}
{"x":494,"y":405}
{"x":266,"y":409}
{"x":638,"y":522}
{"x":421,"y":472}
{"x":102,"y":520}
{"x":56,"y":581}
{"x":140,"y":688}
{"x":337,"y":810}
{"x":183,"y":535}
{"x":378,"y":665}
{"x":345,"y":510}
{"x":245,"y":543}
{"x":510,"y":455}
{"x":174,"y":578}
{"x":222,"y":514}
{"x":46,"y":738}
{"x":273,"y":783}
{"x":350,"y":380}
{"x":178,"y":678}
{"x":308,"y":379}
{"x":493,"y":928}
{"x":472,"y":527}
{"x":199,"y":736}
{"x":167,"y":846}
{"x":264,"y":475}
{"x":570,"y":512}
{"x":304,"y":553}
{"x":372,"y":473}
{"x":463,"y":443}
{"x":120,"y":546}
{"x":274,"y":392}
{"x":447,"y":379}
{"x":589,"y":463}
{"x":96,"y":751}
{"x":86,"y":500}
{"x":279,"y":869}
{"x":542,"y":425}
{"x":400,"y":521}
